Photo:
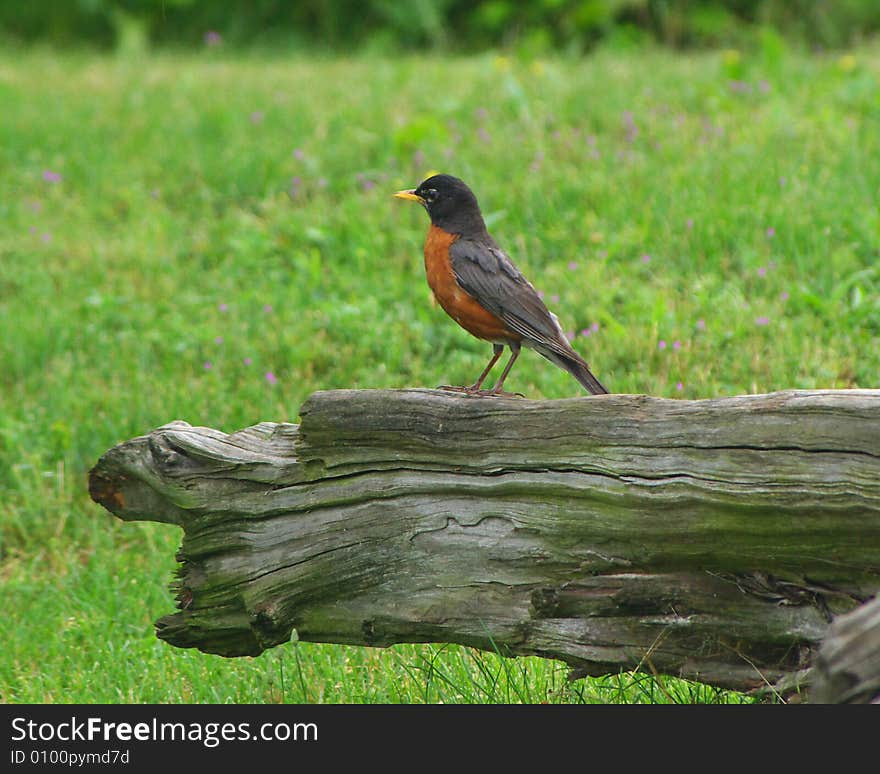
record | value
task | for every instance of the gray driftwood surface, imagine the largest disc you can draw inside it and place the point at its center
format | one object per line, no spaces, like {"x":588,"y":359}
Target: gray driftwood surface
{"x":712,"y":539}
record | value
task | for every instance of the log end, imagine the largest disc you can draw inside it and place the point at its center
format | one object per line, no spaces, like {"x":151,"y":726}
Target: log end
{"x":847,"y":666}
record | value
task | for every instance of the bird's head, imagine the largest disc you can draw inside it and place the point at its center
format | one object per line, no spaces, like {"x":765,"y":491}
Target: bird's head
{"x":451,"y":205}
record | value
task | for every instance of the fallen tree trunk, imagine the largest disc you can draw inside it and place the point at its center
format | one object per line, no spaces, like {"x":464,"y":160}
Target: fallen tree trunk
{"x":848,"y":665}
{"x":712,"y":539}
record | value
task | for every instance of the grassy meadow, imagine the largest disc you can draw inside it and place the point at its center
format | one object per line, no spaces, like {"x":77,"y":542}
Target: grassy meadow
{"x":211,"y":237}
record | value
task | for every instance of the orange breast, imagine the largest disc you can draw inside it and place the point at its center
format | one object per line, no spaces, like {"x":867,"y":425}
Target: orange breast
{"x":458,"y":304}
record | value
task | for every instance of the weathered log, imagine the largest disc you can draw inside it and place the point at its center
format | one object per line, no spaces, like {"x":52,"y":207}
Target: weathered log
{"x":848,"y":664}
{"x":712,"y":539}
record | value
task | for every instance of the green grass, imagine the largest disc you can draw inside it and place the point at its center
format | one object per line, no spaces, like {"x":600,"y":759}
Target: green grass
{"x":169,"y":269}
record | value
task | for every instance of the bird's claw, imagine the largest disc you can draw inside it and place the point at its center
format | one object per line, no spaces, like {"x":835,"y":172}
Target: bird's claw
{"x":479,"y":393}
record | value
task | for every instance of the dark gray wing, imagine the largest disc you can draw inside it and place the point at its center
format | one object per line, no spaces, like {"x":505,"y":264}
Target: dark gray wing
{"x":487,"y":274}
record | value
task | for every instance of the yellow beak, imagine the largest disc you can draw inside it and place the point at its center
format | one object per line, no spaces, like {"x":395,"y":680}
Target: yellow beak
{"x":411,"y":195}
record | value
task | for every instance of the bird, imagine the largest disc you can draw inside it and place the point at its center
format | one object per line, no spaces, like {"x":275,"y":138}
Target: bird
{"x":477,"y":285}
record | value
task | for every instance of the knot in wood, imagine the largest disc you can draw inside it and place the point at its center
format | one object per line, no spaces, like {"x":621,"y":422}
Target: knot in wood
{"x":163,"y":454}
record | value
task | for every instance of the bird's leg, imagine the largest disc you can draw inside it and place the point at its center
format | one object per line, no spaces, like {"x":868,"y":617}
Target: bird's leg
{"x":496,"y":390}
{"x":497,"y":349}
{"x":475,"y":387}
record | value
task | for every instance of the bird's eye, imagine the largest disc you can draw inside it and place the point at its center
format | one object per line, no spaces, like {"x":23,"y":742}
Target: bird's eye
{"x":431,"y":195}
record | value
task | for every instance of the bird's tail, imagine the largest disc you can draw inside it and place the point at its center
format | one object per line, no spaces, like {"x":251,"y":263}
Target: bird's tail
{"x":579,"y":369}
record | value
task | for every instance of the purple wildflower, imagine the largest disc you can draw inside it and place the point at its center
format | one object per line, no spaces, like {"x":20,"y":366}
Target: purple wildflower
{"x":218,"y":340}
{"x":762,"y":271}
{"x":257,"y":117}
{"x":271,"y":378}
{"x":365,"y":183}
{"x":632,"y":131}
{"x":646,"y":258}
{"x":223,"y":307}
{"x":679,"y":386}
{"x":554,"y":298}
{"x":676,"y":345}
{"x":784,"y":295}
{"x":207,"y":365}
{"x":690,"y":223}
{"x":46,"y":237}
{"x":771,"y":232}
{"x":247,"y":361}
{"x":572,"y":265}
{"x":661,"y":344}
{"x":267,"y":308}
{"x":295,"y":183}
{"x":51,"y":177}
{"x":762,"y":321}
{"x":701,"y":324}
{"x":586,"y":332}
{"x":213,"y":38}
{"x":594,"y":327}
{"x":299,"y":154}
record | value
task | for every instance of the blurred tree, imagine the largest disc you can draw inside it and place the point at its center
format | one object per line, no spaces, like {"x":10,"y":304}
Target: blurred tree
{"x":530,"y":25}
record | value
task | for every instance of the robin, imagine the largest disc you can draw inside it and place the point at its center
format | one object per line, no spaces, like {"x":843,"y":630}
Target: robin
{"x":479,"y":287}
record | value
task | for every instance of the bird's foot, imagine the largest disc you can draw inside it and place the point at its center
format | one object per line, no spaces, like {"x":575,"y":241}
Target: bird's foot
{"x":452,"y":388}
{"x":477,"y":392}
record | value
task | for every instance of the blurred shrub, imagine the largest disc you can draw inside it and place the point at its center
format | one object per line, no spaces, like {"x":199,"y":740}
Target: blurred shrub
{"x":532,"y":25}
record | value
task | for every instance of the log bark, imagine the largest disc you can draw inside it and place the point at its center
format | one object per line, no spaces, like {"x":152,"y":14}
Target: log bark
{"x":711,"y":539}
